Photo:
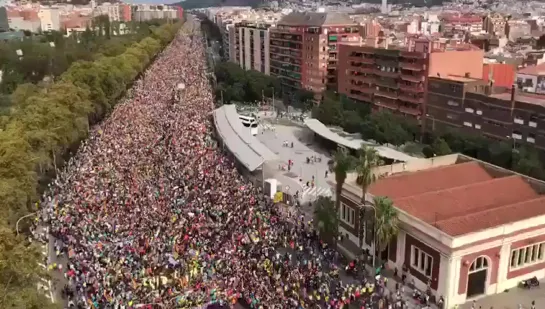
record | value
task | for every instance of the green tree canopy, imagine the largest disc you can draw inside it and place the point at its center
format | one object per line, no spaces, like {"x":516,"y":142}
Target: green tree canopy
{"x":325,"y":218}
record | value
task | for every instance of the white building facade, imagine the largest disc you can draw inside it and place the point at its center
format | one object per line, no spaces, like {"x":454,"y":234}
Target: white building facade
{"x":252,"y":46}
{"x":50,"y":19}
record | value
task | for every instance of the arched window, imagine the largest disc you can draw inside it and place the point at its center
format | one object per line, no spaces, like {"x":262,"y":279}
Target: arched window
{"x":480,"y":263}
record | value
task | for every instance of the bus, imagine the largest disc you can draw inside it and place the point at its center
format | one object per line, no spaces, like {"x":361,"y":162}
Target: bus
{"x":249,"y":122}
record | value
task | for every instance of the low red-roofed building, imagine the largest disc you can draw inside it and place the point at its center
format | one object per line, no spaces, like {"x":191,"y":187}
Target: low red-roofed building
{"x":467,"y":227}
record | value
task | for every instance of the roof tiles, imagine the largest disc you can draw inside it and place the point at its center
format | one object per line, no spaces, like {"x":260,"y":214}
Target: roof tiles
{"x":434,"y":179}
{"x":462,"y":198}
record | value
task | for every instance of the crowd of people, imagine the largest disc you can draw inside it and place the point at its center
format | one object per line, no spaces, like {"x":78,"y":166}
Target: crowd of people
{"x":151,"y":214}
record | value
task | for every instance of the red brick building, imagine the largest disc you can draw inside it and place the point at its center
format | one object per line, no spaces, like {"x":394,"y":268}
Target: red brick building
{"x":303,"y":49}
{"x":397,"y":79}
{"x":469,"y":228}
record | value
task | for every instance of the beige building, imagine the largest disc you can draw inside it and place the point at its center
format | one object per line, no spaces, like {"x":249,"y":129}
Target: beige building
{"x":251,"y":46}
{"x":50,"y":19}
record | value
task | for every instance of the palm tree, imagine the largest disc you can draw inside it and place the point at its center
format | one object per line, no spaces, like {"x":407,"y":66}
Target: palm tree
{"x":367,"y":160}
{"x":342,"y":164}
{"x":325,"y":218}
{"x":386,"y":223}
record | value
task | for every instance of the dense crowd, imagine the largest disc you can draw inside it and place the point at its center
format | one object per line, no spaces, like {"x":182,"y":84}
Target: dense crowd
{"x":151,"y":214}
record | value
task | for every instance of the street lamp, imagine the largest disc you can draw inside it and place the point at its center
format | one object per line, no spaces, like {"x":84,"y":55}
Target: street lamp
{"x":23,"y":217}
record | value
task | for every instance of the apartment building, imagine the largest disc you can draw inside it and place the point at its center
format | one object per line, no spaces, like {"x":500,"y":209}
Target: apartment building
{"x":50,"y":19}
{"x":304,"y":48}
{"x":146,"y":12}
{"x":396,"y":79}
{"x":251,"y":46}
{"x":495,"y":23}
{"x":462,"y":23}
{"x":113,"y":11}
{"x":477,"y":107}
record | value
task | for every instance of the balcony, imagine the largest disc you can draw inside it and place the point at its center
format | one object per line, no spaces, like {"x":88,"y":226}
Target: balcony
{"x":365,"y":60}
{"x":386,"y":104}
{"x":361,"y":97}
{"x":386,"y":94}
{"x":413,"y":55}
{"x":386,"y":73}
{"x":412,"y":66}
{"x":366,"y":79}
{"x":387,"y":63}
{"x":366,"y":90}
{"x":413,"y":111}
{"x":366,"y":70}
{"x":415,"y":88}
{"x":387,"y":52}
{"x":286,"y":37}
{"x":411,"y":99}
{"x":386,"y":82}
{"x":413,"y":78}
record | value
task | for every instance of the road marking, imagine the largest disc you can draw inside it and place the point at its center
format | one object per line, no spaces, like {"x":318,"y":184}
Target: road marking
{"x":50,"y":292}
{"x":312,"y":192}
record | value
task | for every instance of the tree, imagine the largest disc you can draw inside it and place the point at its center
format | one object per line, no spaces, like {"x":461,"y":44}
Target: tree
{"x":367,"y":160}
{"x":19,"y":273}
{"x":329,"y":112}
{"x":440,"y":147}
{"x":342,"y":164}
{"x":386,"y":224}
{"x":304,"y":100}
{"x":325,"y":218}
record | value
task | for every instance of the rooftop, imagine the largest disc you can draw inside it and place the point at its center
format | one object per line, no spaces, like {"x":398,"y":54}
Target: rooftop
{"x":533,"y":70}
{"x":315,"y":19}
{"x":459,"y":195}
{"x":522,"y":97}
{"x":461,"y":79}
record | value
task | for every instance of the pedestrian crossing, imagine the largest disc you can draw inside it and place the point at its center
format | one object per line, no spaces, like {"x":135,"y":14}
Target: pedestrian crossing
{"x":312,"y":193}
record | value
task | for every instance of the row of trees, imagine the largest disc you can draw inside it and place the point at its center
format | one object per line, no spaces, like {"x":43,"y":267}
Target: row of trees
{"x":387,"y":128}
{"x":380,"y":215}
{"x":44,"y":126}
{"x":39,"y":58}
{"x":235,"y":84}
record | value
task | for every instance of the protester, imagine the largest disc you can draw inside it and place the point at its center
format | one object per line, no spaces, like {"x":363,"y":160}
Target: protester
{"x":151,"y":214}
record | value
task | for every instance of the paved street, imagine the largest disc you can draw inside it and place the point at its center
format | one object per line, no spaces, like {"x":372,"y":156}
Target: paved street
{"x":302,"y":149}
{"x":511,"y":299}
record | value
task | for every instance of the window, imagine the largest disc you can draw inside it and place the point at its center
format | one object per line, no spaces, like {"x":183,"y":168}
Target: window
{"x":421,"y":261}
{"x":527,"y":256}
{"x":347,"y":215}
